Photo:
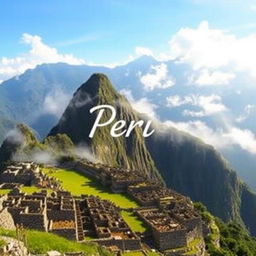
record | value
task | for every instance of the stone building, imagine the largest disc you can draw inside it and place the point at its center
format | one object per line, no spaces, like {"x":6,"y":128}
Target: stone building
{"x":27,"y":174}
{"x":71,"y":217}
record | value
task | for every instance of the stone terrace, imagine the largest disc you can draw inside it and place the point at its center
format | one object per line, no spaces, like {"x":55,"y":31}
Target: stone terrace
{"x":28,"y":174}
{"x":72,"y":217}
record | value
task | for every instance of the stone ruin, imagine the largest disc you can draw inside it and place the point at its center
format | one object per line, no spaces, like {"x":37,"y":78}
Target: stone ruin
{"x":26,"y":174}
{"x":71,"y":217}
{"x":170,"y":216}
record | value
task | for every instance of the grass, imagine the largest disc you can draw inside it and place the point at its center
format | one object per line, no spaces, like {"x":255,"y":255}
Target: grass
{"x":25,"y":189}
{"x":79,"y":184}
{"x":2,"y":243}
{"x":29,"y":190}
{"x":41,"y":242}
{"x":151,"y":253}
{"x":193,"y":246}
{"x":133,"y":253}
{"x":4,"y":191}
{"x":134,"y":222}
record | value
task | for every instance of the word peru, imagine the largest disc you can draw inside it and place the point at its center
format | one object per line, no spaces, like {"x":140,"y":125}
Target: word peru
{"x":117,"y":128}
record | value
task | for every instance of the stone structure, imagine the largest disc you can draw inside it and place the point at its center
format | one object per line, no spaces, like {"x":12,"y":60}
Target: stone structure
{"x":102,"y":219}
{"x":118,"y":179}
{"x":28,"y":174}
{"x":71,"y":217}
{"x":174,"y":224}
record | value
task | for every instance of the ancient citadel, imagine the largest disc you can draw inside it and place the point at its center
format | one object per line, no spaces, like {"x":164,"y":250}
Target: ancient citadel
{"x":170,"y":217}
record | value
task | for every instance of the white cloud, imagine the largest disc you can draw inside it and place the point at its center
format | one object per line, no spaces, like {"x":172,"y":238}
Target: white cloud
{"x":39,"y":53}
{"x":219,"y":138}
{"x":141,"y":51}
{"x":176,"y":100}
{"x":210,"y":104}
{"x":248,"y":109}
{"x":158,"y":77}
{"x":207,"y":78}
{"x":214,"y":49}
{"x":143,"y":105}
{"x":56,"y":102}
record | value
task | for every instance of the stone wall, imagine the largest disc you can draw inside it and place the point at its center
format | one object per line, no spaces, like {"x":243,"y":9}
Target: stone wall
{"x":6,"y":220}
{"x":33,"y":221}
{"x":67,"y":233}
{"x":130,"y":244}
{"x":57,"y":215}
{"x":2,"y":199}
{"x":170,"y":240}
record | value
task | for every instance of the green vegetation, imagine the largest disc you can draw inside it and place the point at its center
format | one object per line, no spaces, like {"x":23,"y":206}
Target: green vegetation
{"x":151,"y":253}
{"x":4,"y":191}
{"x":134,"y":222}
{"x":60,"y":143}
{"x":193,"y":247}
{"x":234,"y":238}
{"x":128,"y":152}
{"x":2,"y":243}
{"x":41,"y":242}
{"x":25,"y":189}
{"x":132,"y":253}
{"x":79,"y":184}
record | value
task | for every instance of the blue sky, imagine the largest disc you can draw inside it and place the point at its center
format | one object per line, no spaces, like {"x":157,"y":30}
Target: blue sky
{"x":107,"y":31}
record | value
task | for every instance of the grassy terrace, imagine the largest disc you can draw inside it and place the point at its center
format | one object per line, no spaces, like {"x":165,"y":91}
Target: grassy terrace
{"x":138,"y":253}
{"x":41,"y":242}
{"x":25,"y":189}
{"x":134,"y":222}
{"x":79,"y":184}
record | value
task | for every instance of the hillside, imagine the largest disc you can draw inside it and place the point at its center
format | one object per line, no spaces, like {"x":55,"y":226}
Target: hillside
{"x":39,"y":96}
{"x":129,"y":152}
{"x":185,"y":163}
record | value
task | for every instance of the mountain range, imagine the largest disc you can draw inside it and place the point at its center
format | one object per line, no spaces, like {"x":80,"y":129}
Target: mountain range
{"x":219,"y":114}
{"x":184,"y":162}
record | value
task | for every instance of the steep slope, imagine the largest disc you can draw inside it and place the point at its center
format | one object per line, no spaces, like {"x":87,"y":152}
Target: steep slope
{"x":40,"y":95}
{"x":21,"y":145}
{"x":196,"y":169}
{"x":185,"y":163}
{"x":129,"y":152}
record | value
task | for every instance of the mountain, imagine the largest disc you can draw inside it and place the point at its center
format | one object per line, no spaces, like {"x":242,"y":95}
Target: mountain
{"x":22,"y":145}
{"x":39,"y":96}
{"x":185,"y":163}
{"x":129,"y":152}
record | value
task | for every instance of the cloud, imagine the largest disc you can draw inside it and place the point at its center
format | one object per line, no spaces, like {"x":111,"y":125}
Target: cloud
{"x":207,"y":78}
{"x":219,"y":138}
{"x":176,"y":100}
{"x":158,"y":77}
{"x":38,"y":54}
{"x":211,"y":50}
{"x":210,"y":104}
{"x":143,"y":105}
{"x":83,"y":151}
{"x":55,"y":102}
{"x":248,"y":110}
{"x":141,"y":51}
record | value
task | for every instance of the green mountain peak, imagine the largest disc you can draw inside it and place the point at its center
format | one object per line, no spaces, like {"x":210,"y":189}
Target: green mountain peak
{"x":77,"y":121}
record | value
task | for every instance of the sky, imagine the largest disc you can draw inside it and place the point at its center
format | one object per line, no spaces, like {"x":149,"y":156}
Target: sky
{"x":216,"y":38}
{"x":108,"y":31}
